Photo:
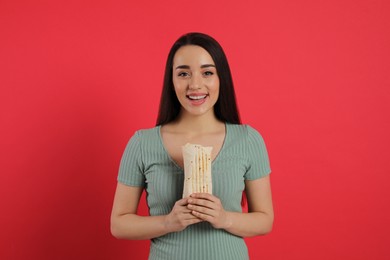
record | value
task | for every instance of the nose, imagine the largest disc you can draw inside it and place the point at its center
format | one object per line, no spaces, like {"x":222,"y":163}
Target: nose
{"x":195,"y":82}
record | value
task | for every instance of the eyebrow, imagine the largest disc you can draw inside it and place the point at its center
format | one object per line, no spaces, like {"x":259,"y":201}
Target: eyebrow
{"x":202,"y":66}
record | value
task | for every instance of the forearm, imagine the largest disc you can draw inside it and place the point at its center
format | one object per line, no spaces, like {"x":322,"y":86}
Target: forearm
{"x":249,"y":224}
{"x":135,"y":227}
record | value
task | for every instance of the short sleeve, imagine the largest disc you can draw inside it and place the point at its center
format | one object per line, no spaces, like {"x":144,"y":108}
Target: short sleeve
{"x":131,"y":166}
{"x":258,"y":161}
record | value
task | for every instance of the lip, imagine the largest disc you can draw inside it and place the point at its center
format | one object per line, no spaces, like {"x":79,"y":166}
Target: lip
{"x":197,"y":94}
{"x":197,"y":102}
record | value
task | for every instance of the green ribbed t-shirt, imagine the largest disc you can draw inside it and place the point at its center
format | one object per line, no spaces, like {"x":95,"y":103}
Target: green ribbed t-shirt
{"x":146,"y":163}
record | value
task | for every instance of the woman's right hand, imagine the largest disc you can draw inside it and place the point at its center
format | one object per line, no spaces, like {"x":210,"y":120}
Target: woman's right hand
{"x":126,"y":224}
{"x":180,"y":217}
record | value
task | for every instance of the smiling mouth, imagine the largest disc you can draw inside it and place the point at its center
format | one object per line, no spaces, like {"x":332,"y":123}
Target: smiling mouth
{"x":196,"y":97}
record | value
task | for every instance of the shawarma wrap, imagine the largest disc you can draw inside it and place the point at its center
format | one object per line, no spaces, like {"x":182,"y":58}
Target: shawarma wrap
{"x":197,"y":169}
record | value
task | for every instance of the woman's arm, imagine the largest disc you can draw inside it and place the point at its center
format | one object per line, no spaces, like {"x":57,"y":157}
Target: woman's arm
{"x":126,"y":224}
{"x":258,"y":220}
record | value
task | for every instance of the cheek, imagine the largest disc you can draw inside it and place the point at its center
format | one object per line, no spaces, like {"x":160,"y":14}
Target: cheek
{"x":214,"y":85}
{"x":177,"y":86}
{"x":180,"y":93}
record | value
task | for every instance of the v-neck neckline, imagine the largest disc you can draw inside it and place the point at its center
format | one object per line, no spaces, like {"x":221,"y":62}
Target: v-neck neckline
{"x":175,"y":163}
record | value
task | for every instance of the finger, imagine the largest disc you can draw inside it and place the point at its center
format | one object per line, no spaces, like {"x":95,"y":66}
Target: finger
{"x":194,"y":221}
{"x":190,"y":216}
{"x":191,"y":219}
{"x":202,"y":202}
{"x":200,"y":209}
{"x":202,"y":216}
{"x":182,"y":202}
{"x":206,"y":196}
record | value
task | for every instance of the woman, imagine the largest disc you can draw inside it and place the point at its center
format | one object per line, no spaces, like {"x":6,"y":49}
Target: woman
{"x":197,"y":106}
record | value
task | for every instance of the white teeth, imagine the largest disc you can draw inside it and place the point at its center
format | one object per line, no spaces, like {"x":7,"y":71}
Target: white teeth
{"x":197,"y":97}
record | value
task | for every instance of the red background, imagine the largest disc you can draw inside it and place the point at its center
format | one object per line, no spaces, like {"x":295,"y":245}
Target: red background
{"x":79,"y":77}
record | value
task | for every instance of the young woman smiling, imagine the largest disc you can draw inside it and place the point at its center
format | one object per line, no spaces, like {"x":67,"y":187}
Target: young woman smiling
{"x":197,"y":105}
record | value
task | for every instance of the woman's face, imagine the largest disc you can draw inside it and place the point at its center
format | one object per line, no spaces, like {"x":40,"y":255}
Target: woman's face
{"x":195,"y":80}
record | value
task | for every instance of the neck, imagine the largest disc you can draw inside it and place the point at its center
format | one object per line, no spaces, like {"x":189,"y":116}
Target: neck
{"x":198,"y":124}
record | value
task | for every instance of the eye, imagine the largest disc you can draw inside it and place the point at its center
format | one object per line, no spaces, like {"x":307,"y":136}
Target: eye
{"x":183,"y":74}
{"x":208,"y":73}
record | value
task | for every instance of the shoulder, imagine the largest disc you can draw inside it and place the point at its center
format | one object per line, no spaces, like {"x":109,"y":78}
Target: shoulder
{"x":144,"y":136}
{"x":147,"y":132}
{"x":242,"y":130}
{"x":244,"y":135}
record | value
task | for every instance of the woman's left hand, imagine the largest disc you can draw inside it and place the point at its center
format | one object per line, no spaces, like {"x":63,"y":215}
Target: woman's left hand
{"x":209,"y":208}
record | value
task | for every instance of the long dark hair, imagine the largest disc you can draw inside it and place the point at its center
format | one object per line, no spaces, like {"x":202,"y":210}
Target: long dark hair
{"x":225,"y":108}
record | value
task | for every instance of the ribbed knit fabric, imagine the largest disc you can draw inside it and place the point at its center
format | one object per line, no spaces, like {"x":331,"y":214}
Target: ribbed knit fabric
{"x":146,"y":163}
